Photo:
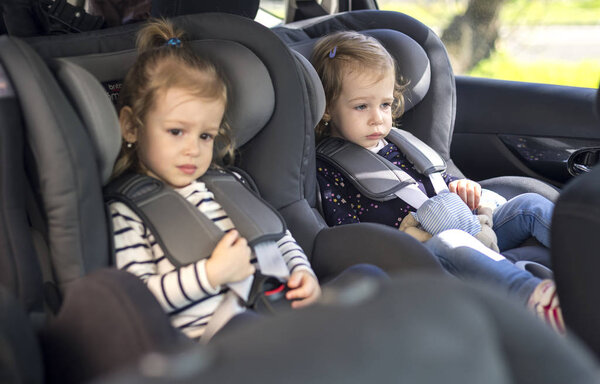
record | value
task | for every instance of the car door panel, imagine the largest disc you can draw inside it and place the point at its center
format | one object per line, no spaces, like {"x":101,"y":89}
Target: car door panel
{"x":516,"y":128}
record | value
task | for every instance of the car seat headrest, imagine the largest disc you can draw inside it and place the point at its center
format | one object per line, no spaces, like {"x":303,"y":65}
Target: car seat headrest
{"x":170,"y":8}
{"x":315,"y":94}
{"x":412,"y":60}
{"x":95,"y":109}
{"x":251,"y":93}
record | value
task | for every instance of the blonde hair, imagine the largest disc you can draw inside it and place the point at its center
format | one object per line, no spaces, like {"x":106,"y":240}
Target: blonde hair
{"x":161,"y":66}
{"x":341,"y":52}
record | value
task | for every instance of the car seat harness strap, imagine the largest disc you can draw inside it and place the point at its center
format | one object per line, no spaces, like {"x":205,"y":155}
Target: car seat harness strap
{"x":379,"y":179}
{"x":195,"y":236}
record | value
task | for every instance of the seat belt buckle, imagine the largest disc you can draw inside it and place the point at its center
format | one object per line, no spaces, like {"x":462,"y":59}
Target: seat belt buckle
{"x":276,"y":291}
{"x":267,"y":295}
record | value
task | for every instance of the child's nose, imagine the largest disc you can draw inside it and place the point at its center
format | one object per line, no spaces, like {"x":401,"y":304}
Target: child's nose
{"x":192,"y":147}
{"x":377,"y":117}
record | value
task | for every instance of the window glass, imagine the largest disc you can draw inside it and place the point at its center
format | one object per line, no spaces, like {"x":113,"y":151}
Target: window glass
{"x":543,"y":41}
{"x":271,"y":12}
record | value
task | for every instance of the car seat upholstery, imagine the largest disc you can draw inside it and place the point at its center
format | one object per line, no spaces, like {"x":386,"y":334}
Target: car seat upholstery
{"x":432,"y":88}
{"x":20,"y":355}
{"x":416,"y":329}
{"x":20,"y":272}
{"x":575,"y":244}
{"x":275,"y":120}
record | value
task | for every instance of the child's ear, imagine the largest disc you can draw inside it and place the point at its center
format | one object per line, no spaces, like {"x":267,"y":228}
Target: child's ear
{"x":326,"y":116}
{"x":128,"y":128}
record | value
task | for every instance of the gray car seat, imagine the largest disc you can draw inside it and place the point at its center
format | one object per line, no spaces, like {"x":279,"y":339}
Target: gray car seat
{"x":54,"y":241}
{"x":430,"y":95}
{"x":431,"y":119}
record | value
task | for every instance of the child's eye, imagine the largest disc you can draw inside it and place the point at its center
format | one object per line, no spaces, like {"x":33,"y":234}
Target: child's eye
{"x":361,"y":107}
{"x":175,"y":131}
{"x":206,"y":136}
{"x":386,"y":105}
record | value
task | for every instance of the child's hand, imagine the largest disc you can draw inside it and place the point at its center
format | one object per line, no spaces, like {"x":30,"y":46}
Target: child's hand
{"x":304,"y":289}
{"x":230,"y":261}
{"x":468,"y":190}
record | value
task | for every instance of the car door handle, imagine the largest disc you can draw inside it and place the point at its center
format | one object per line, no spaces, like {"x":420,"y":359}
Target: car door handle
{"x":583,"y":160}
{"x":582,"y":168}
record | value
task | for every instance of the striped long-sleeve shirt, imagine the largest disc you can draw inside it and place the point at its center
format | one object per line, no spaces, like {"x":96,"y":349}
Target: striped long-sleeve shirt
{"x":184,"y":293}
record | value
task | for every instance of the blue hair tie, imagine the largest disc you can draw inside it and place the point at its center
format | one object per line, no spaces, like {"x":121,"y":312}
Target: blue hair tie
{"x":173,"y":42}
{"x":332,"y":52}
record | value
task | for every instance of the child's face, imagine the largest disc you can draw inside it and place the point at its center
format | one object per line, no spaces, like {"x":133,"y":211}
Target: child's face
{"x":362,"y":113}
{"x":176,"y":143}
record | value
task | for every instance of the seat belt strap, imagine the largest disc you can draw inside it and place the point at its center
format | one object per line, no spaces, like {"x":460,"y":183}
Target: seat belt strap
{"x":374,"y":176}
{"x":155,"y":203}
{"x":412,"y":195}
{"x":270,"y":261}
{"x":424,"y":158}
{"x":307,"y":9}
{"x":229,"y":307}
{"x":439,"y":184}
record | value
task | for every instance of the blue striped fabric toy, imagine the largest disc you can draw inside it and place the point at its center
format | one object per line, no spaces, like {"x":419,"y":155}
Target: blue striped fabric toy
{"x":446,"y":211}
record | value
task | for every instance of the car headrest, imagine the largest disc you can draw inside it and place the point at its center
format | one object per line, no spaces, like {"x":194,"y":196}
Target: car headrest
{"x":95,"y":109}
{"x":251,"y":93}
{"x":316,"y":96}
{"x":412,"y":60}
{"x":170,"y":8}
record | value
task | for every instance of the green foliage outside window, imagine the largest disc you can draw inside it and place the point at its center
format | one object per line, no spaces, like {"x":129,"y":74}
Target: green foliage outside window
{"x":515,"y":14}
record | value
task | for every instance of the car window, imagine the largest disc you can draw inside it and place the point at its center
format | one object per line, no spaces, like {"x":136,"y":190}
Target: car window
{"x":543,"y":41}
{"x":271,"y":12}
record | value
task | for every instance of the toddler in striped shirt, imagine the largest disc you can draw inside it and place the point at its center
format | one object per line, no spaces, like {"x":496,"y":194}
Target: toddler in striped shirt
{"x":172,"y":107}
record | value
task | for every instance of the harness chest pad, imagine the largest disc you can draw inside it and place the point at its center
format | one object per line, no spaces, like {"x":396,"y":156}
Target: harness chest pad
{"x":374,"y":176}
{"x":184,"y":233}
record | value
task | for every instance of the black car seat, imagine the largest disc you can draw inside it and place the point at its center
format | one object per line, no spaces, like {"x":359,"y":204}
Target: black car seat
{"x":416,"y":329}
{"x":430,"y":96}
{"x":431,"y":115}
{"x":575,"y":244}
{"x":273,"y":115}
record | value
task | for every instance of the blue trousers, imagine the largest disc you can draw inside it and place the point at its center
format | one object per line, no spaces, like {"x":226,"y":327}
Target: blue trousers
{"x":467,"y":258}
{"x":523,"y":216}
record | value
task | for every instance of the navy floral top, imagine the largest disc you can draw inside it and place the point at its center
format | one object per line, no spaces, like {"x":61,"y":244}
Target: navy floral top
{"x":344,"y":204}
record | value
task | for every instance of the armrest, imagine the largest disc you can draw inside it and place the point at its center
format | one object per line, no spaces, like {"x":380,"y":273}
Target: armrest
{"x":338,"y":248}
